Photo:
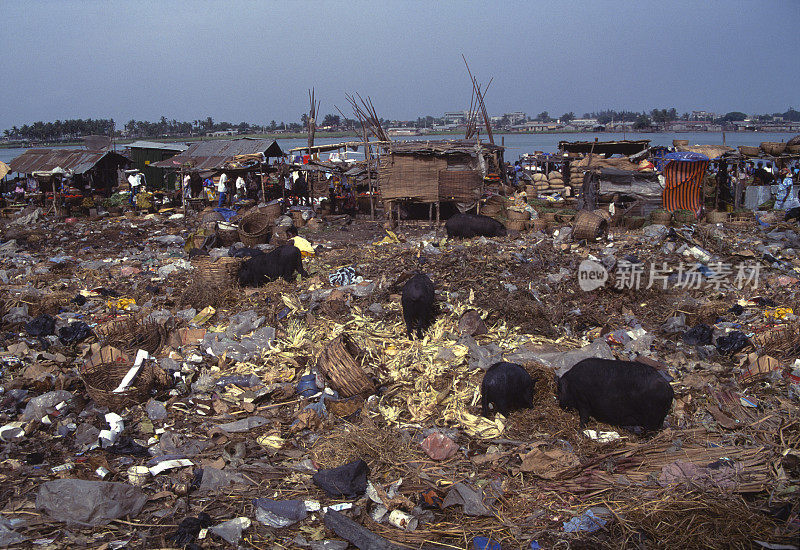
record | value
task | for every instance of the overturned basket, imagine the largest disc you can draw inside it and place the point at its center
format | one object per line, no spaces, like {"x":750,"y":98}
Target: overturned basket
{"x":222,"y":272}
{"x":749,"y":151}
{"x":255,"y":227}
{"x":103,"y":378}
{"x":539,"y":224}
{"x":339,"y":362}
{"x":773,"y":148}
{"x":589,"y":226}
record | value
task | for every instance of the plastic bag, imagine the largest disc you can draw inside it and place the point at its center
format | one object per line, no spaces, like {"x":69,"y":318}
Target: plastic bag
{"x":348,"y":481}
{"x":732,"y":342}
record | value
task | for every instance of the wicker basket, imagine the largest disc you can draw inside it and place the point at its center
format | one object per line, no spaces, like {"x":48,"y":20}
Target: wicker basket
{"x":565,"y":218}
{"x":517,"y":215}
{"x":589,"y":226}
{"x":539,"y":224}
{"x":272,"y":210}
{"x":684,"y":216}
{"x":738,"y":221}
{"x":717,"y":217}
{"x":227,"y":234}
{"x":749,"y":151}
{"x":549,"y":216}
{"x":793,"y":149}
{"x":255,"y":227}
{"x":223,"y":272}
{"x":680,"y":142}
{"x":774,"y":148}
{"x":605,"y":214}
{"x":531,"y":190}
{"x":516,"y":225}
{"x":491,"y":209}
{"x":660,"y":217}
{"x":103,"y":378}
{"x":339,"y":363}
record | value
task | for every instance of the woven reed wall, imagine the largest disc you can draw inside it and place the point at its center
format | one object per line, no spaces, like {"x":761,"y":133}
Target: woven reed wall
{"x":410,"y":177}
{"x":460,"y":185}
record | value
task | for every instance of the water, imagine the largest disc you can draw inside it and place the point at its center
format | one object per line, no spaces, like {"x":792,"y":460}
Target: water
{"x":518,"y":144}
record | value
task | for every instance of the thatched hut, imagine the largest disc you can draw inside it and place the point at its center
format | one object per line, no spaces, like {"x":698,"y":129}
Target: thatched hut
{"x":432,"y":172}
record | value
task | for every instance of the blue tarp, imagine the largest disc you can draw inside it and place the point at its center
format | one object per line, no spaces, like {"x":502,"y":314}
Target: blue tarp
{"x":686,"y":157}
{"x":227,"y":213}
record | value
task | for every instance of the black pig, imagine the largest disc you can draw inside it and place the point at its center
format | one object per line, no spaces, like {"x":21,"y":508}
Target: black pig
{"x":281,"y":262}
{"x":244,"y":252}
{"x":508,"y":387}
{"x":621,"y":393}
{"x":465,"y":226}
{"x":417,"y":300}
{"x":792,"y":213}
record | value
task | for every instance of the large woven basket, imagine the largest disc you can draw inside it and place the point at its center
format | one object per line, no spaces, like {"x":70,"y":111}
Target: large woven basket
{"x":255,"y":227}
{"x":773,"y":147}
{"x":549,"y":216}
{"x":491,"y":209}
{"x":227,"y":234}
{"x":272,"y":210}
{"x":605,"y":214}
{"x":222,"y":272}
{"x":339,"y":362}
{"x":539,"y":224}
{"x":518,"y":214}
{"x":516,"y":225}
{"x":103,"y":378}
{"x":749,"y":151}
{"x":793,"y":149}
{"x":589,"y":226}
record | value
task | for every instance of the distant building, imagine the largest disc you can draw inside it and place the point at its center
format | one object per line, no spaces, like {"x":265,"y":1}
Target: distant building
{"x":456,"y":117}
{"x":219,"y":133}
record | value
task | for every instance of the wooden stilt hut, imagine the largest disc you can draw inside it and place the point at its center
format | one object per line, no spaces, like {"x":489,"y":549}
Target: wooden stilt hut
{"x":431,"y":172}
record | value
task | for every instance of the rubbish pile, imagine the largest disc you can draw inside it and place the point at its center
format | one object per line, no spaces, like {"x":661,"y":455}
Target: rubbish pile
{"x":143,"y":390}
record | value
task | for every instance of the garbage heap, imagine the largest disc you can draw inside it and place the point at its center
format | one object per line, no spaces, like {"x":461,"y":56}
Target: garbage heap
{"x":173,"y":409}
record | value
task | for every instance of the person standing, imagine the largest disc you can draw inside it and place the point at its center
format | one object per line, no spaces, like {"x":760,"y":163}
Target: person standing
{"x":133,"y":181}
{"x":785,"y":187}
{"x":241,"y":188}
{"x":222,"y":189}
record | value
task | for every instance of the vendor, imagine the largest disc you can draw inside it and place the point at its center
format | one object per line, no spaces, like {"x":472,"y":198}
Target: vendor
{"x":784,"y":196}
{"x":241,"y":188}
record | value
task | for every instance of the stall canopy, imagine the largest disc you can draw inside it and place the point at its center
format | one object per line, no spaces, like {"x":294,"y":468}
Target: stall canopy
{"x":75,"y":161}
{"x":4,"y":169}
{"x":215,"y":154}
{"x":683,"y":188}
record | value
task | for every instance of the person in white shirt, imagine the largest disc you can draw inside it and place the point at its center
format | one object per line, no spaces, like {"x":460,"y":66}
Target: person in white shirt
{"x":241,"y":188}
{"x":133,"y":181}
{"x":222,"y":189}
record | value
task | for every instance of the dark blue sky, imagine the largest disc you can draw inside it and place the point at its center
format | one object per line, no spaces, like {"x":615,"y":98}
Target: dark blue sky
{"x":254,"y":61}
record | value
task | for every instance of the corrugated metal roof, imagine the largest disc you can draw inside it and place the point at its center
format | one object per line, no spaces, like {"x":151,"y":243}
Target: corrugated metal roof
{"x":213,"y":154}
{"x":141,"y":144}
{"x":76,"y":161}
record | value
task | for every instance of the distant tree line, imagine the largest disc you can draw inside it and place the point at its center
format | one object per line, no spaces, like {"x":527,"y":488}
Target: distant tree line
{"x":61,"y":129}
{"x":71,"y":129}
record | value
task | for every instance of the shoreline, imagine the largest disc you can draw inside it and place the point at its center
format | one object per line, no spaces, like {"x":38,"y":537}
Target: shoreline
{"x":343,"y":134}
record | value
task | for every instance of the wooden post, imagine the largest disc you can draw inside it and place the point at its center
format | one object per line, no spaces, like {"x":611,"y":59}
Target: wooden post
{"x":430,"y":213}
{"x":438,"y":209}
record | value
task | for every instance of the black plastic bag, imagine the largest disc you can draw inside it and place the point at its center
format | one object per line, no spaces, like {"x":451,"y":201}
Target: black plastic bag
{"x":699,"y":335}
{"x":74,"y":333}
{"x":189,"y":528}
{"x":43,"y":325}
{"x":732,"y":342}
{"x":348,"y":481}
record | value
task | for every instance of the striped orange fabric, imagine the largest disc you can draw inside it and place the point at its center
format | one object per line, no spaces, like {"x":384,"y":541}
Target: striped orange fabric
{"x":684,"y":186}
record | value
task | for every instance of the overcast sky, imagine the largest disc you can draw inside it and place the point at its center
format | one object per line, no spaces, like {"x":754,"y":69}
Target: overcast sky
{"x":254,"y":61}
